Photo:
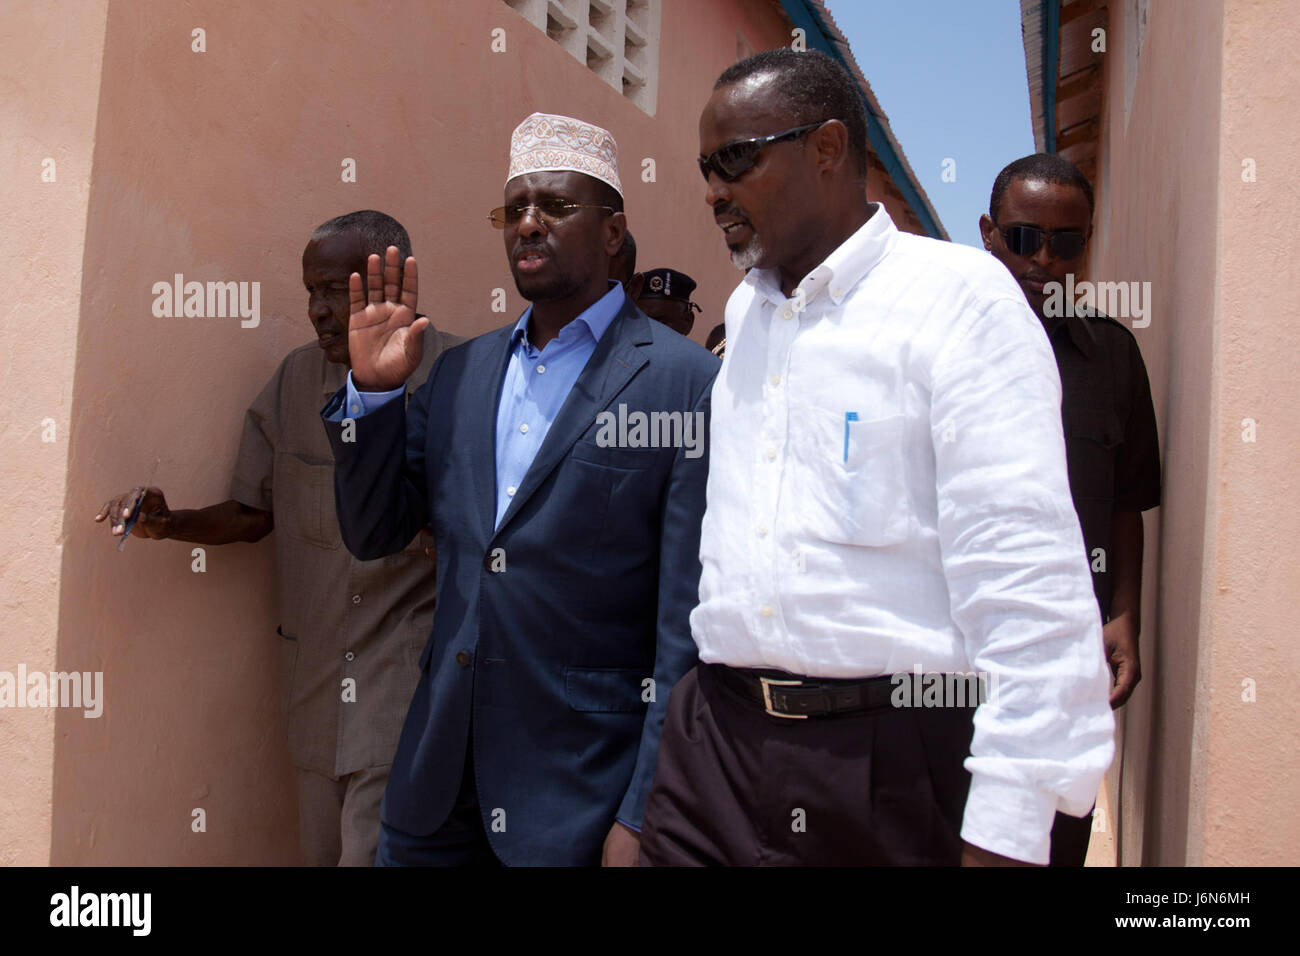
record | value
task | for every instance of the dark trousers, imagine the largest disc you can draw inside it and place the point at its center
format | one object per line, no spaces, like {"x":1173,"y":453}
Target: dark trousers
{"x":460,"y":841}
{"x":1070,"y":836}
{"x":735,"y":786}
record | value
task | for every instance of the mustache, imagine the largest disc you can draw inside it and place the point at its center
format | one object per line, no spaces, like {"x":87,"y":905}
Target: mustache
{"x":729,"y":209}
{"x":538,"y":245}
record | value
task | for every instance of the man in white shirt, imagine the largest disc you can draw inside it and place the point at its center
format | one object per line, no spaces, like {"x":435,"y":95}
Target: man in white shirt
{"x":887,"y":504}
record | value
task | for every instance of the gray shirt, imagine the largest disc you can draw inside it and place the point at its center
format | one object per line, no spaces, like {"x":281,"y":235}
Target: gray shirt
{"x":340,"y":618}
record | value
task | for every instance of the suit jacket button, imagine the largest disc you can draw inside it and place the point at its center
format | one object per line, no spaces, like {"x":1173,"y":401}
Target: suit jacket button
{"x":462,"y":658}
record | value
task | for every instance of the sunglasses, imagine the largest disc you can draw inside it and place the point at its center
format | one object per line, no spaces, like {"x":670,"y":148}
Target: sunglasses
{"x":548,"y":212}
{"x":735,"y":159}
{"x":1026,"y":240}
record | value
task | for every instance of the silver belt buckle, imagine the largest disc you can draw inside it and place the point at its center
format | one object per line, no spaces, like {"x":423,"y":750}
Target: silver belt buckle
{"x":768,"y":683}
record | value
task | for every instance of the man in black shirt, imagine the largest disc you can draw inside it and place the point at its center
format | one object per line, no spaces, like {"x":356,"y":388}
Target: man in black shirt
{"x":1038,"y":226}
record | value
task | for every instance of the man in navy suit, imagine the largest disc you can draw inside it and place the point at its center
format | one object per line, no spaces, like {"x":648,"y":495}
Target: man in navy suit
{"x":561,"y":464}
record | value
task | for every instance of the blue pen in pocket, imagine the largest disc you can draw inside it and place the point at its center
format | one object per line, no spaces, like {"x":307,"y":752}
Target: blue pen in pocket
{"x":848,"y":417}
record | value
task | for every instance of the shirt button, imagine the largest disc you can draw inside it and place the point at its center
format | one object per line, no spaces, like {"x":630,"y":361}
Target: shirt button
{"x":787,"y":314}
{"x":462,"y":658}
{"x":776,"y":379}
{"x":766,"y":610}
{"x":356,"y":408}
{"x":541,"y":369}
{"x":762,"y":531}
{"x":837,"y":292}
{"x":356,"y":599}
{"x":511,"y":491}
{"x":349,"y":656}
{"x":523,"y":429}
{"x":771,"y":454}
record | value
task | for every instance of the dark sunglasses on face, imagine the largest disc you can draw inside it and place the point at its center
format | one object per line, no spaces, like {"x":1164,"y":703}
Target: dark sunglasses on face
{"x":1026,"y":240}
{"x":548,"y":212}
{"x":735,"y":159}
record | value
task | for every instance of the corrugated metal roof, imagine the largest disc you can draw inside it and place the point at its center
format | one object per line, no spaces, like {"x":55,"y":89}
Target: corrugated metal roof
{"x":1031,"y":33}
{"x":1058,"y":39}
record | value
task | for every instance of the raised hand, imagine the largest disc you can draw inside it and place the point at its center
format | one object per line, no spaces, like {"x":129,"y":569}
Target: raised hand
{"x":385,"y":339}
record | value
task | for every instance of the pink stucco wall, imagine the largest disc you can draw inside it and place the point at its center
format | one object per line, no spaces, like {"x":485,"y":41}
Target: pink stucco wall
{"x":47,"y":111}
{"x":1253,"y":765}
{"x":1206,"y":777}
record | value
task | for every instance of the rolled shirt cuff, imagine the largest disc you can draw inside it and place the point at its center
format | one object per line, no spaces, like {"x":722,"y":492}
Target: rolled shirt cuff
{"x":1011,"y":820}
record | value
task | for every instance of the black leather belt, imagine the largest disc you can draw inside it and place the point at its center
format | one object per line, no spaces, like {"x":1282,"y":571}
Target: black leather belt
{"x":795,"y":697}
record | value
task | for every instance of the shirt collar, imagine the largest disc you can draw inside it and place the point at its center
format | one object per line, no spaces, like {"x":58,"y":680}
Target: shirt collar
{"x":597,"y":317}
{"x":843,"y":269}
{"x":1080,"y":332}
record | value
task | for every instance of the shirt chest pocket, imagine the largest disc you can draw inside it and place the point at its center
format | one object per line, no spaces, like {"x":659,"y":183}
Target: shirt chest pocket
{"x":1092,"y":436}
{"x":849,"y":484}
{"x":304,"y":500}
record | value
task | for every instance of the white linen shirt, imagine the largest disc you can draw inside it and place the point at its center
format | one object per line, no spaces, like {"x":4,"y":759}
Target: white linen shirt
{"x":887,"y":490}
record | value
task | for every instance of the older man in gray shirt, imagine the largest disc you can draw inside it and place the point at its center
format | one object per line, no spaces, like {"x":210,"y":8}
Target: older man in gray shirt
{"x":350,"y":631}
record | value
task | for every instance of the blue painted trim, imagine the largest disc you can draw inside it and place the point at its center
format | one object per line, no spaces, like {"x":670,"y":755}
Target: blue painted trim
{"x":802,"y":15}
{"x":1051,"y":64}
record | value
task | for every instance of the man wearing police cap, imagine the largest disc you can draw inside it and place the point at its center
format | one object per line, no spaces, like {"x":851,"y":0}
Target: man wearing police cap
{"x":665,"y":295}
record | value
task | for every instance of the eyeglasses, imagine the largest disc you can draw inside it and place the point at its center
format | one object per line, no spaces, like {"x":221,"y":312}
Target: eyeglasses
{"x":548,"y":212}
{"x":1026,"y":240}
{"x":735,"y":159}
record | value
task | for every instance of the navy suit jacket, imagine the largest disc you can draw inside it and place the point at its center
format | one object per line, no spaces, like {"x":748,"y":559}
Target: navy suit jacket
{"x":548,"y":627}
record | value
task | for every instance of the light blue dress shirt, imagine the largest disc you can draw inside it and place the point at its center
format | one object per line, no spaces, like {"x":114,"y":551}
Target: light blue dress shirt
{"x":536,"y":383}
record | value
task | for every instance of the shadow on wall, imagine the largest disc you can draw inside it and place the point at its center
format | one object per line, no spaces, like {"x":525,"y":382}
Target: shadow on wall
{"x":191,"y":714}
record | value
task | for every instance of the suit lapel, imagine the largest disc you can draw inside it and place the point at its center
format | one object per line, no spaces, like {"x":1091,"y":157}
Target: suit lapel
{"x":483,"y":395}
{"x":612,"y":365}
